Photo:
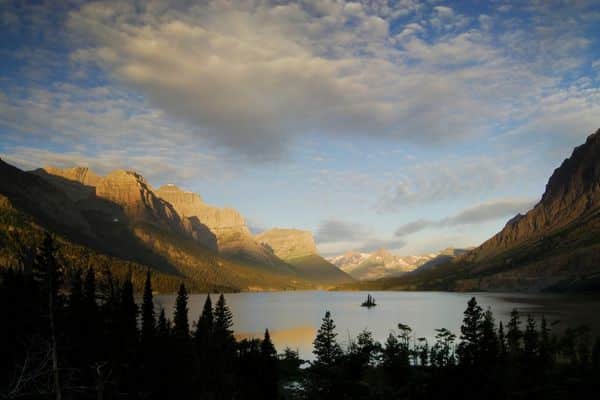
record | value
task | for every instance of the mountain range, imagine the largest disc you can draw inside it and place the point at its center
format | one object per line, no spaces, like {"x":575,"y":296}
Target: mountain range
{"x":121,"y":219}
{"x":554,"y":246}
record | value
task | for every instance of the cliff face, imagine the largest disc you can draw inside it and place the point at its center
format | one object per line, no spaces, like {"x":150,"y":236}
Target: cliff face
{"x":131,"y":191}
{"x":221,"y":221}
{"x":572,"y":193}
{"x":298,"y":249}
{"x":82,"y":175}
{"x":288,"y":244}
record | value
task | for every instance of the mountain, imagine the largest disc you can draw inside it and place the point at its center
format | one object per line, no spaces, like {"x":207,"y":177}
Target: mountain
{"x":298,"y":248}
{"x":230,"y":235}
{"x":379,"y":264}
{"x":554,"y":246}
{"x":119,"y":221}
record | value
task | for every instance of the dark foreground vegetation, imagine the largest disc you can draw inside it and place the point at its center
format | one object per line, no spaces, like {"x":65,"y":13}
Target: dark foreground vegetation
{"x":81,"y":335}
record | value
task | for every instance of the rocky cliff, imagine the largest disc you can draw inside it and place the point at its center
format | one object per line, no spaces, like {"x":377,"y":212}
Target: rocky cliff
{"x":298,"y":248}
{"x":288,"y":244}
{"x":572,"y":192}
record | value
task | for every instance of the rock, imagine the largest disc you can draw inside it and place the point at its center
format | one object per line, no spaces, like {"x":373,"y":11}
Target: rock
{"x":133,"y":193}
{"x":288,"y":244}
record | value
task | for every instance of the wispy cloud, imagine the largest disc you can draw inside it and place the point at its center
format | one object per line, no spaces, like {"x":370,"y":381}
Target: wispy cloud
{"x":476,"y":214}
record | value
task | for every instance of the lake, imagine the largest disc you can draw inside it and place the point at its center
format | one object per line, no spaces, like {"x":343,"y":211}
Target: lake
{"x":294,"y":317}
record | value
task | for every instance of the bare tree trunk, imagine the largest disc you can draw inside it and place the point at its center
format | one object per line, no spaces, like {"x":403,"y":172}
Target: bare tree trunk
{"x":53,"y":343}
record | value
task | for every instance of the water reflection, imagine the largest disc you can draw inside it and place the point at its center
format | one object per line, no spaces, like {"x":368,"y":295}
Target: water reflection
{"x":293,"y":317}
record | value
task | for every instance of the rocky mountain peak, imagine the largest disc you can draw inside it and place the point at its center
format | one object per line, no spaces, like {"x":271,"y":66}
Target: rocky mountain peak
{"x":572,"y":192}
{"x":82,"y":175}
{"x":289,"y":243}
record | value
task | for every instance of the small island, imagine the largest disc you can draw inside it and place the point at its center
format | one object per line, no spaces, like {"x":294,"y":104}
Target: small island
{"x":370,"y":302}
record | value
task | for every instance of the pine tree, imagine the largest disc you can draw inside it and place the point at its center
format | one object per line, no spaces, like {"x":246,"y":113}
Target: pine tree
{"x":128,"y":320}
{"x":148,"y":317}
{"x":89,"y":291}
{"x":326,"y":349}
{"x":163,"y":326}
{"x":204,"y":327}
{"x":266,"y":346}
{"x":181,"y":326}
{"x":489,"y":340}
{"x":514,"y":334}
{"x":470,"y":345}
{"x":530,"y":341}
{"x":47,"y":270}
{"x":501,"y":341}
{"x":223,"y":321}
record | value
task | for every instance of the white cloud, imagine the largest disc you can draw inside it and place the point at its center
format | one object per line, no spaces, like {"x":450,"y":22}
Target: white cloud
{"x":254,"y":77}
{"x":477,"y":214}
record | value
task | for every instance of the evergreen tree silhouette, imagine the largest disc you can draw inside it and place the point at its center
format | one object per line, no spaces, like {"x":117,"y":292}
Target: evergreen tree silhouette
{"x":48,"y":272}
{"x":181,"y":326}
{"x":205,"y":324}
{"x":471,"y":334}
{"x":163,"y":326}
{"x":326,"y":349}
{"x":514,"y":335}
{"x":489,"y":340}
{"x":148,"y":317}
{"x":266,"y":346}
{"x":530,"y":342}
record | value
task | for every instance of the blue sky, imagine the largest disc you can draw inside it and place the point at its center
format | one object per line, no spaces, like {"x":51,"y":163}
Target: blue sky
{"x":411,"y":125}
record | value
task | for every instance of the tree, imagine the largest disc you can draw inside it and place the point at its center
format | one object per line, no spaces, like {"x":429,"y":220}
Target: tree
{"x":47,"y":270}
{"x":223,"y":322}
{"x":128,"y":316}
{"x":148,"y":316}
{"x":266,"y":346}
{"x":326,"y":349}
{"x":514,"y":335}
{"x":489,"y":340}
{"x":181,"y":326}
{"x":163,"y":326}
{"x":205,"y":324}
{"x":530,"y":341}
{"x":442,"y":353}
{"x":501,"y":341}
{"x":470,"y":345}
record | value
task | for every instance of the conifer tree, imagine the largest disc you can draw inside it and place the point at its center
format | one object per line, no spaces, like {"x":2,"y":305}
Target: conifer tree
{"x":47,"y":270}
{"x":205,"y":324}
{"x":148,"y":317}
{"x":128,"y":311}
{"x":489,"y":340}
{"x":469,"y":347}
{"x":181,"y":326}
{"x":530,"y":341}
{"x":266,"y":346}
{"x":514,"y":334}
{"x":501,"y":341}
{"x":163,"y":326}
{"x":89,"y":291}
{"x":223,"y":322}
{"x":326,"y":349}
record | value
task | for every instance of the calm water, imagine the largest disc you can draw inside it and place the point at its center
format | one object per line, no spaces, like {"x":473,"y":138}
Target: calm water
{"x":294,"y":317}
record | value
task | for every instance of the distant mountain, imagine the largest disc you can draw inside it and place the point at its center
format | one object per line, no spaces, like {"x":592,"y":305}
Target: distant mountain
{"x":298,"y":248}
{"x":120,"y":221}
{"x":379,"y":264}
{"x":555,"y":246}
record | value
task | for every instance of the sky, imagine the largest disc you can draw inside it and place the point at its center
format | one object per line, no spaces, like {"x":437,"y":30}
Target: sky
{"x":410,"y":125}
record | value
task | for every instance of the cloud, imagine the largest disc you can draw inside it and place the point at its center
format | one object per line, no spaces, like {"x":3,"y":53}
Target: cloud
{"x":448,"y":178}
{"x":336,"y":236}
{"x":333,"y":230}
{"x":476,"y":214}
{"x":255,"y":77}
